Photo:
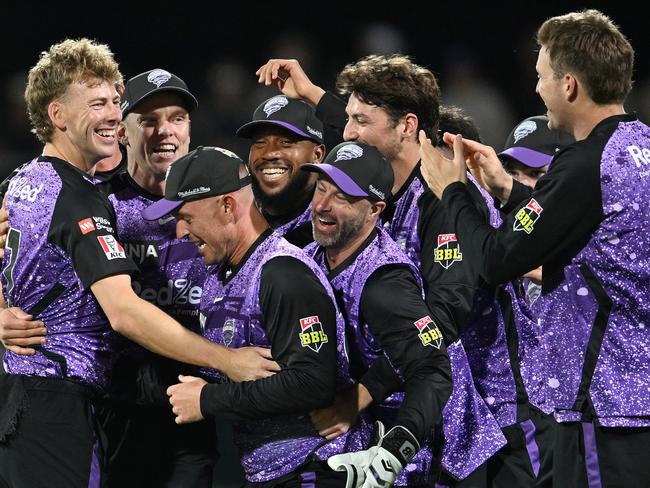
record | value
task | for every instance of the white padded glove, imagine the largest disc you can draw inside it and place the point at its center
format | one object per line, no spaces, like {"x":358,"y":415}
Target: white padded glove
{"x":378,"y":466}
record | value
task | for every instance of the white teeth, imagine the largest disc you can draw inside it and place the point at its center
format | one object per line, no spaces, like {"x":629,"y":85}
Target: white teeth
{"x":106,"y":132}
{"x":274,"y":171}
{"x":166,"y":147}
{"x":327,"y":222}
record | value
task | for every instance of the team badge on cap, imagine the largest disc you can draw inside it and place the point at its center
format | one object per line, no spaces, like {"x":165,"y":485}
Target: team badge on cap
{"x":523,"y":129}
{"x":526,"y":217}
{"x":428,"y":332}
{"x":275,"y":104}
{"x":448,"y":250}
{"x":349,"y":151}
{"x":311,"y":333}
{"x":158,"y":77}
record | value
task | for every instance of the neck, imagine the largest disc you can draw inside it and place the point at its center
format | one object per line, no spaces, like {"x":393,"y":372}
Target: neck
{"x":151,"y":182}
{"x":335,"y":256}
{"x":251,"y":229}
{"x":404,"y":162}
{"x":70,"y":154}
{"x":590,"y":116}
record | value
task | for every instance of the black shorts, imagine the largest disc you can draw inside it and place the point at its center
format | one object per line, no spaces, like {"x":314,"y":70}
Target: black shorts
{"x":588,"y":455}
{"x":314,"y":474}
{"x":55,"y":442}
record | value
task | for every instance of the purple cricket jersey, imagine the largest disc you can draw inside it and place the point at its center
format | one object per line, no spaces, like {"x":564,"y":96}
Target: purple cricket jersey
{"x":61,"y":241}
{"x":231,"y":315}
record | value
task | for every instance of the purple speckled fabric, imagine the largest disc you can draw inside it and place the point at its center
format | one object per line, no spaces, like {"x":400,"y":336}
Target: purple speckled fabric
{"x":618,"y":257}
{"x":348,"y":285}
{"x":472,"y":434}
{"x":172,"y":271}
{"x":77,"y":328}
{"x":270,"y":448}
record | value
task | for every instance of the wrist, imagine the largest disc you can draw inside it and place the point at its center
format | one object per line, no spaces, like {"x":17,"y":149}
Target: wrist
{"x":314,"y":94}
{"x":506,"y":189}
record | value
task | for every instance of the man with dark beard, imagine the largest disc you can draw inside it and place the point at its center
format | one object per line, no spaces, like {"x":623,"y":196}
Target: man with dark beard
{"x":285,"y":134}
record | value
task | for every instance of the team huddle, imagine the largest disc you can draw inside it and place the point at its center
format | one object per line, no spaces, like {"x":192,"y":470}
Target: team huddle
{"x":373,"y":298}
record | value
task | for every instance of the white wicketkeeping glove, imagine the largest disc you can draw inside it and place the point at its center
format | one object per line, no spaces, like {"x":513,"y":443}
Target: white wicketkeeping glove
{"x":378,"y":466}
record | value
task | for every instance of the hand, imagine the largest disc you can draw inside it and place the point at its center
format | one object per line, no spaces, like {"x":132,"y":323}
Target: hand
{"x":336,"y":420}
{"x":438,"y":171}
{"x":4,"y":229}
{"x":378,"y":466}
{"x":289,"y":77}
{"x":250,"y":363}
{"x":185,"y":398}
{"x":18,"y":331}
{"x":485,"y":166}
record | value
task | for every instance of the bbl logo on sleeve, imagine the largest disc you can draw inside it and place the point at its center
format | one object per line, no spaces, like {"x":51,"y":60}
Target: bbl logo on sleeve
{"x":527,"y":216}
{"x":311,"y":333}
{"x":448,"y":250}
{"x":429,"y":333}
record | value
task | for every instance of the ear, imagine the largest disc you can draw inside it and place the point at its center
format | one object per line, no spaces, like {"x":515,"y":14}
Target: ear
{"x":570,"y":83}
{"x":121,"y":134}
{"x":411,"y":123}
{"x":319,"y":153}
{"x":376,"y":208}
{"x":228,"y":205}
{"x":56,"y":112}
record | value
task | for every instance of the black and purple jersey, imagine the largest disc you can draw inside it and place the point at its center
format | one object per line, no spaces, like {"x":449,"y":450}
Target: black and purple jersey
{"x":62,"y":240}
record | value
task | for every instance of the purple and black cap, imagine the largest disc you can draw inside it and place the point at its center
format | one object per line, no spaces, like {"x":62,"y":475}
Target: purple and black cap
{"x":202,"y":173}
{"x":533,"y":144}
{"x":151,"y":82}
{"x":359,"y":170}
{"x":294,"y":115}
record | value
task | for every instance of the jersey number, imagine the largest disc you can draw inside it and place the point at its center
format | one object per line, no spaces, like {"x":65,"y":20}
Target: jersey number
{"x":13,"y":244}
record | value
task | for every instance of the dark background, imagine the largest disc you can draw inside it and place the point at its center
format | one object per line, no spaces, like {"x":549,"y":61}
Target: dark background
{"x":484,"y":54}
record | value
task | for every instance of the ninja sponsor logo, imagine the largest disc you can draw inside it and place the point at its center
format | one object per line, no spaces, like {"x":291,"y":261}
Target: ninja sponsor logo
{"x":311,"y":333}
{"x":448,"y":250}
{"x":527,"y":216}
{"x":142,"y":252}
{"x":428,"y":332}
{"x":112,"y":249}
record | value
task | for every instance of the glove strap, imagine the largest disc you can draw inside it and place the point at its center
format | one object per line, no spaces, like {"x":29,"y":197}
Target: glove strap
{"x":400,"y":443}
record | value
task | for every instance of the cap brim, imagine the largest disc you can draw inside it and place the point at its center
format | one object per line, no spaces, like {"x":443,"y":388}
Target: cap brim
{"x":247,"y":130}
{"x":190,"y":101}
{"x":340,"y":179}
{"x":160,"y":209}
{"x":528,"y":157}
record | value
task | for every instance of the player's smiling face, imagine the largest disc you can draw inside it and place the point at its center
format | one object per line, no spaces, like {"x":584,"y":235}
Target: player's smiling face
{"x":157,"y":132}
{"x":205,"y":224}
{"x":275,"y":158}
{"x":91,"y":115}
{"x":372,"y":125}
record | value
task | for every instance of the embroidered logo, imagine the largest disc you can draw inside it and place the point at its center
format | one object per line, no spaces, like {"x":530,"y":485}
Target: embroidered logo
{"x":228,"y":332}
{"x":159,"y":77}
{"x":86,"y":225}
{"x":526,"y":217}
{"x":448,"y":250}
{"x":350,"y":151}
{"x":523,"y":129}
{"x":428,"y":332}
{"x":112,"y":249}
{"x":311,"y":333}
{"x":275,"y":104}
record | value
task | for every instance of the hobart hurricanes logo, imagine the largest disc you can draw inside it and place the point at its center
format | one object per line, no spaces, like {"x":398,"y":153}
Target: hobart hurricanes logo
{"x":428,"y":332}
{"x":311,"y":333}
{"x":527,"y":216}
{"x":448,"y":250}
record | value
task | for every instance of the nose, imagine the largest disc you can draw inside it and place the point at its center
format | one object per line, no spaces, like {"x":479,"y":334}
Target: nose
{"x":165,"y":128}
{"x":320,"y":202}
{"x":350,"y":133}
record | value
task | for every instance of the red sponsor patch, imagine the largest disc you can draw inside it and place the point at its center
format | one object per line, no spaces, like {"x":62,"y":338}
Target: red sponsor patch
{"x":445,"y":238}
{"x":534,"y":206}
{"x":420,"y":324}
{"x":112,"y":249}
{"x":86,"y":225}
{"x":308,"y":321}
{"x":428,"y":332}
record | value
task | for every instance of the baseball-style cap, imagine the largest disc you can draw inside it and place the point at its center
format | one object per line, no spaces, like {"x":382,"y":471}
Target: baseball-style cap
{"x":202,"y":173}
{"x":154,"y":81}
{"x":295,"y":115}
{"x":359,"y":170}
{"x":533,"y":144}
